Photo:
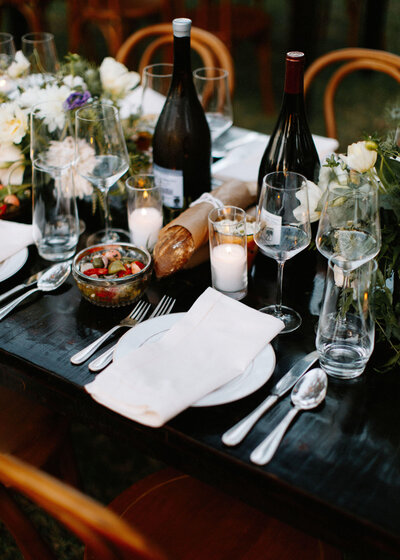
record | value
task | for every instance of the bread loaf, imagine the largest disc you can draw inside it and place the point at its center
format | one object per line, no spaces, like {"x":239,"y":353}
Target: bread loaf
{"x":179,"y":240}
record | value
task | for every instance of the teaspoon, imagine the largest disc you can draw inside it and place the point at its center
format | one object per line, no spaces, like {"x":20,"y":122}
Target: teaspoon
{"x":50,"y":280}
{"x":308,"y":393}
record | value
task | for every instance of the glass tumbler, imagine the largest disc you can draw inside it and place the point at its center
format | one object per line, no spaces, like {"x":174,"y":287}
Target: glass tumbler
{"x":55,"y":215}
{"x":346,"y":328}
{"x":228,"y":250}
{"x":145,"y":216}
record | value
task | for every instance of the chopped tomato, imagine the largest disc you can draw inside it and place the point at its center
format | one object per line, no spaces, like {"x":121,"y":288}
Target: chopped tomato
{"x":139,"y":264}
{"x":98,"y":271}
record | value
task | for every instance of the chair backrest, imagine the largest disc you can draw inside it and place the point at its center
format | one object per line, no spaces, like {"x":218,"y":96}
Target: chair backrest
{"x":211,"y":50}
{"x":353,"y":59}
{"x":108,"y":536}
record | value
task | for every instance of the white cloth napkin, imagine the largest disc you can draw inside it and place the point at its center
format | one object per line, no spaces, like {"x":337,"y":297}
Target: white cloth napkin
{"x":243,"y":162}
{"x":213,"y":343}
{"x":13,"y":238}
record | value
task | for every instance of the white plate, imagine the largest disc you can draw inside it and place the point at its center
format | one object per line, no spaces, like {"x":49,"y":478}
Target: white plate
{"x":258,"y":373}
{"x":11,"y":265}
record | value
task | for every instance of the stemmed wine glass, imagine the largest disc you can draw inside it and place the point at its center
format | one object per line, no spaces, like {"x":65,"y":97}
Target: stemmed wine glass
{"x":349,"y":227}
{"x":39,"y":48}
{"x":99,"y":126}
{"x":213,"y":90}
{"x":283,"y":230}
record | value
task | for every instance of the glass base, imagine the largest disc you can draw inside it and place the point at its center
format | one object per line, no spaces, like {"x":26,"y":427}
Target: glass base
{"x":288,"y":315}
{"x":114,"y":236}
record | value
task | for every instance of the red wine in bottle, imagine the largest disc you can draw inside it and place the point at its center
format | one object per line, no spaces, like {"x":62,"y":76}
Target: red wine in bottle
{"x":182,"y":141}
{"x":291,"y":146}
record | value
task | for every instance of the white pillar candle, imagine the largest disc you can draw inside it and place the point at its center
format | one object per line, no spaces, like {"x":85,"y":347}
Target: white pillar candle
{"x":229,"y":267}
{"x":144,"y":226}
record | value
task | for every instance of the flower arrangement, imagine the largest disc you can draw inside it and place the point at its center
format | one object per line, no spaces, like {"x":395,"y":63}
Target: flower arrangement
{"x":78,"y":82}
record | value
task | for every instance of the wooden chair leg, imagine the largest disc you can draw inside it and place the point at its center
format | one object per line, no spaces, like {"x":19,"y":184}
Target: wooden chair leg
{"x":27,"y":538}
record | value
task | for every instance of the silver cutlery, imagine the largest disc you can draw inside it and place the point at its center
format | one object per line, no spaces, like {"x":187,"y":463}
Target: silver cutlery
{"x":239,"y":431}
{"x":308,"y":393}
{"x":136,"y":315}
{"x":51,"y":279}
{"x":164,"y":307}
{"x":29,"y":282}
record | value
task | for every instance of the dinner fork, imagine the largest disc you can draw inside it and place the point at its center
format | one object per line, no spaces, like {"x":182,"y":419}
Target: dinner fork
{"x":163,"y":308}
{"x":135,"y":316}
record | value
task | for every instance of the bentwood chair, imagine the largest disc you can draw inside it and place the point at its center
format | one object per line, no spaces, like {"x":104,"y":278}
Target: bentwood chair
{"x":166,"y":515}
{"x":352,"y":59}
{"x":142,"y":47}
{"x":110,"y":16}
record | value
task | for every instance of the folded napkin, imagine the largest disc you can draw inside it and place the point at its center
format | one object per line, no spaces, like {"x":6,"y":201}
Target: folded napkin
{"x":14,"y":237}
{"x":213,"y":343}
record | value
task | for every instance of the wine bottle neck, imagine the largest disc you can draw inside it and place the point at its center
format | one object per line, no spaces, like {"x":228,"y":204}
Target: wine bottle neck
{"x":294,"y":77}
{"x":182,"y":59}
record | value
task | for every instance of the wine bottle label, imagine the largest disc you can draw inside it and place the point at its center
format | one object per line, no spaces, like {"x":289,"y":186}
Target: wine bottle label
{"x":273,"y":228}
{"x":171,"y":181}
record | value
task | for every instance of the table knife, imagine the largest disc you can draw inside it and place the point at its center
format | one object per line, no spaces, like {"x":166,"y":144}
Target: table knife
{"x":29,"y":282}
{"x":240,"y":430}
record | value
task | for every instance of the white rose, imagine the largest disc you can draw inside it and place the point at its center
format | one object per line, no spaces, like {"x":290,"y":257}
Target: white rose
{"x":11,"y":168}
{"x":13,"y":123}
{"x":19,"y":66}
{"x":314,"y":196}
{"x":115,"y":78}
{"x":360,"y":157}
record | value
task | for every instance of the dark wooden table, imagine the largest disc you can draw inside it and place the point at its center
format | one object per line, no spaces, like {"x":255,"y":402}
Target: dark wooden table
{"x":337,"y":473}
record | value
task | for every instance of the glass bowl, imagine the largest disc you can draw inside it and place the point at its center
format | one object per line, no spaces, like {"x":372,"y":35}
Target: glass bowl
{"x":113,"y":292}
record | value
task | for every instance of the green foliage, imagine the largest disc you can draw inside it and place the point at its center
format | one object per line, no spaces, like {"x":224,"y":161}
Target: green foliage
{"x":387,"y":299}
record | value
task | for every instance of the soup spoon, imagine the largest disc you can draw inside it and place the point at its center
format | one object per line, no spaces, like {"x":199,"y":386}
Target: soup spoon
{"x":308,"y":393}
{"x":50,"y":280}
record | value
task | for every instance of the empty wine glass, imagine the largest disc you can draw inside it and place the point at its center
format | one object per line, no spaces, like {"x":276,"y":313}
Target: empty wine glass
{"x":40,"y":50}
{"x":156,"y":81}
{"x":349,"y":226}
{"x":283,"y":230}
{"x":213,"y":89}
{"x":99,"y":127}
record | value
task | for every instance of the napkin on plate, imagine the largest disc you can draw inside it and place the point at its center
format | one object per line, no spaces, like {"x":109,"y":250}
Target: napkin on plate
{"x":213,"y":343}
{"x":14,"y":237}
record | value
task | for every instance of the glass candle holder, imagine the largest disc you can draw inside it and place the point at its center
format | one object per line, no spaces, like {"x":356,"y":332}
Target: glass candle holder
{"x":228,"y":250}
{"x":145,"y":216}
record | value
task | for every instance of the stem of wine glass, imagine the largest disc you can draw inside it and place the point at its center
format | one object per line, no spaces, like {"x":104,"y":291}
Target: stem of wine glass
{"x":107,"y":215}
{"x":279,"y":284}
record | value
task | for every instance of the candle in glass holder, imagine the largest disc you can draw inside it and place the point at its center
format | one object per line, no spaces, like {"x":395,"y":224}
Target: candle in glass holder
{"x":229,"y":267}
{"x":228,"y":250}
{"x":144,"y":210}
{"x":144,"y":226}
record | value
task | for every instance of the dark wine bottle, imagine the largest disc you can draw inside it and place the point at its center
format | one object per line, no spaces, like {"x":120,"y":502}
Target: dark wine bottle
{"x":182,"y":141}
{"x":291,"y":146}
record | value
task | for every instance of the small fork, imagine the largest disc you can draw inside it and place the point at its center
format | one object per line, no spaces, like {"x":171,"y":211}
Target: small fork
{"x":164,"y":307}
{"x":137,"y":314}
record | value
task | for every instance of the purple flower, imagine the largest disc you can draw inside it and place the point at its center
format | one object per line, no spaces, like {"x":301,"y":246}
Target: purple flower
{"x":76,"y":99}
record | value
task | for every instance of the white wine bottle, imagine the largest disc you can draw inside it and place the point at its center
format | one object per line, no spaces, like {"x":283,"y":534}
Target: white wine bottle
{"x":182,"y":141}
{"x":291,"y":146}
